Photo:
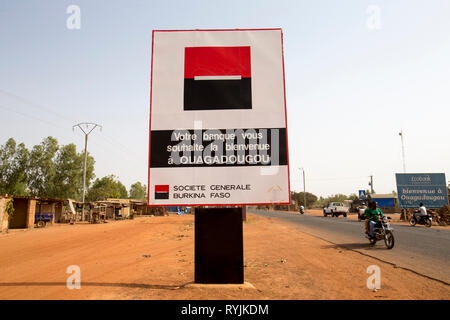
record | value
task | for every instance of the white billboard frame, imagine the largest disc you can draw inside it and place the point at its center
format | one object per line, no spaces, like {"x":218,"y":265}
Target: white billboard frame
{"x":273,"y":189}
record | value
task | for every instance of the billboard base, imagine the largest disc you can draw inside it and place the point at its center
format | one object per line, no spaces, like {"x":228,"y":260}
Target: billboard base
{"x":219,"y":246}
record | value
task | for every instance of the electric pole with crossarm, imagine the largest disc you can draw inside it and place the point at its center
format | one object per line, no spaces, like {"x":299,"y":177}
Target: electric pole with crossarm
{"x":88,"y":128}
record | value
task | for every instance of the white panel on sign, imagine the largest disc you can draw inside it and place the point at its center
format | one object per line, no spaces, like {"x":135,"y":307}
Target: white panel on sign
{"x":218,"y":132}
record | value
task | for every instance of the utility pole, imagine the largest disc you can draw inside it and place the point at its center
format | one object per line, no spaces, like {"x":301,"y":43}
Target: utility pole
{"x":304,"y":187}
{"x":403,"y":151}
{"x":371,"y":184}
{"x":88,"y":128}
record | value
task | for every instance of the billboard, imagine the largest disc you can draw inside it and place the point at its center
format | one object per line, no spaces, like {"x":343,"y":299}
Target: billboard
{"x":427,"y":188}
{"x":218,"y":133}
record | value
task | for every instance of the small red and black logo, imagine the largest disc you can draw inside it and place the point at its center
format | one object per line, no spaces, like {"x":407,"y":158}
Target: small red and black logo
{"x":217,"y":78}
{"x":162,"y":192}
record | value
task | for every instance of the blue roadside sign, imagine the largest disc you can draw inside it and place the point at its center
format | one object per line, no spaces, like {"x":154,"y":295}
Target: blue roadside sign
{"x":427,"y":188}
{"x":362,"y":194}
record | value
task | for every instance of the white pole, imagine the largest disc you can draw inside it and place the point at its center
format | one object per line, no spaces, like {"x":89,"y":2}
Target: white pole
{"x":403,"y":151}
{"x":89,"y":128}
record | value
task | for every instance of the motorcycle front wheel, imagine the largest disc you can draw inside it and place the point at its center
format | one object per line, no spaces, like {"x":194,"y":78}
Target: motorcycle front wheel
{"x":412,"y":222}
{"x":389,"y":239}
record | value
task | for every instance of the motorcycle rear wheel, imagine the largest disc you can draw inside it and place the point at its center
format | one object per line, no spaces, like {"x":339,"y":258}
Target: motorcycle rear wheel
{"x":389,"y":239}
{"x":428,"y":223}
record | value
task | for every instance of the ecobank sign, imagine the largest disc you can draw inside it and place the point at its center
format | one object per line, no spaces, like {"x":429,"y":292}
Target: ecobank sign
{"x":218,"y":118}
{"x":427,"y":188}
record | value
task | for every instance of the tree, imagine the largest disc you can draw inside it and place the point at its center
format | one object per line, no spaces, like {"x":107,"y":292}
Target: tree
{"x":138,"y":191}
{"x":47,"y":171}
{"x":13,"y":165}
{"x":10,"y":211}
{"x":334,"y":198}
{"x":299,"y":197}
{"x":68,"y":178}
{"x":107,"y":187}
{"x":337,"y":198}
{"x":41,"y":168}
{"x":353,"y":197}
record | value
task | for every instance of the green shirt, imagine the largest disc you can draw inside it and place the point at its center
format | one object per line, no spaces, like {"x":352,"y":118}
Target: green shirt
{"x":373,"y":214}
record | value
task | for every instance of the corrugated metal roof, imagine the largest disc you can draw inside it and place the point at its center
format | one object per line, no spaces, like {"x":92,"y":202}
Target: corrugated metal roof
{"x":383,"y":196}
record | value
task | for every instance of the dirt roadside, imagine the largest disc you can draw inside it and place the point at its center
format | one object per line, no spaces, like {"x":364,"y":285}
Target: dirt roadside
{"x":153,"y":258}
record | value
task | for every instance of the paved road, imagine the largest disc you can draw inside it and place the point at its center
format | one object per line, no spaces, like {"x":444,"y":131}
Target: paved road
{"x":423,"y":250}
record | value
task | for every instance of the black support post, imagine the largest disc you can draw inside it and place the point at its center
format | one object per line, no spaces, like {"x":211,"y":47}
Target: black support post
{"x":219,"y":249}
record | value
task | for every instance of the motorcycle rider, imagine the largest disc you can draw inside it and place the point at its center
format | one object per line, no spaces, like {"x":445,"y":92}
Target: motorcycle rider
{"x":373,"y":216}
{"x":367,"y":213}
{"x":422,"y":212}
{"x":302,"y":209}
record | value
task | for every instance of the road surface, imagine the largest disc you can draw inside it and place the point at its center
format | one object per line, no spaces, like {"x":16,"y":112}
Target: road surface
{"x":422,"y":250}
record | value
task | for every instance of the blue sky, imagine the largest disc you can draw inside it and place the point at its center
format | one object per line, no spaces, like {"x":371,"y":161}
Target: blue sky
{"x":350,"y":89}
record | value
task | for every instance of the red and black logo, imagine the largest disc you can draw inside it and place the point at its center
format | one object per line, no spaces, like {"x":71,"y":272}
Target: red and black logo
{"x":217,"y":78}
{"x":162,"y":192}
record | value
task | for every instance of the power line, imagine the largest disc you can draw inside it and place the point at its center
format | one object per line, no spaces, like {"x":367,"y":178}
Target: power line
{"x":48,"y":123}
{"x":31,"y":117}
{"x":113,"y":142}
{"x":33,"y":104}
{"x":108,"y":139}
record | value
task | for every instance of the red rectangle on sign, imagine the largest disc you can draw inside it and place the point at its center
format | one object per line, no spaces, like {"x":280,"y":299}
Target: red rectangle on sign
{"x":161,"y":188}
{"x":217,"y":61}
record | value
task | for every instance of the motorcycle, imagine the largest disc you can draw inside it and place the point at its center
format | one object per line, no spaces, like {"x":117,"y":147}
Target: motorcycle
{"x":302,"y":211}
{"x":423,"y":220}
{"x":383,"y":231}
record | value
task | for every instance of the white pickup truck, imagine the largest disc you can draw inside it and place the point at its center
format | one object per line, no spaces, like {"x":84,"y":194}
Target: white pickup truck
{"x":335,"y":209}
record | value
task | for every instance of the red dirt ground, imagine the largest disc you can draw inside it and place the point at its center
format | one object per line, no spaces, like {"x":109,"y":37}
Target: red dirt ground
{"x":153,"y":258}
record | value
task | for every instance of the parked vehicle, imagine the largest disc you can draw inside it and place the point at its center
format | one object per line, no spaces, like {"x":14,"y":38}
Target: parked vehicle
{"x":383,"y":231}
{"x":41,"y":219}
{"x":335,"y":209}
{"x":423,"y":220}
